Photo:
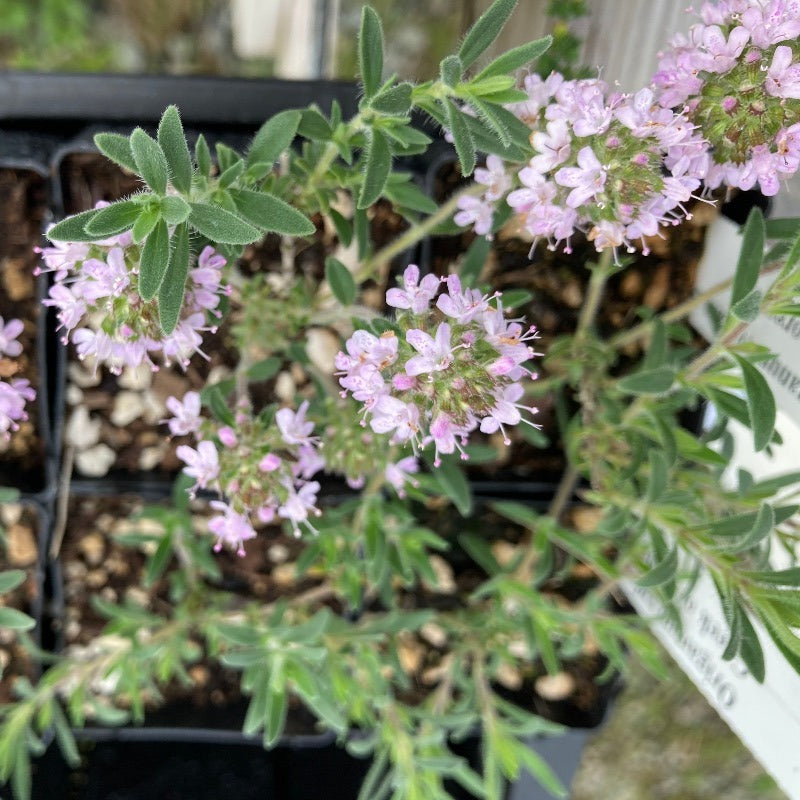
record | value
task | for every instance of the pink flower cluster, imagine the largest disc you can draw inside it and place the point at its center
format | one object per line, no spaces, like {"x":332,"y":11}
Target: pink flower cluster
{"x":597,"y":168}
{"x":737,"y":74}
{"x":14,"y":394}
{"x":263,"y":471}
{"x":95,"y":292}
{"x":455,"y":366}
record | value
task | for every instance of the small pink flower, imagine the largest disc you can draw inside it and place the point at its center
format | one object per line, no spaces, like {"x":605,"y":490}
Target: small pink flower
{"x":269,"y":463}
{"x":415,"y":294}
{"x":9,"y":332}
{"x":434,"y":354}
{"x":186,"y":417}
{"x":202,"y":464}
{"x":294,"y":427}
{"x":400,"y":473}
{"x":231,"y":528}
{"x":298,"y":504}
{"x":227,"y":436}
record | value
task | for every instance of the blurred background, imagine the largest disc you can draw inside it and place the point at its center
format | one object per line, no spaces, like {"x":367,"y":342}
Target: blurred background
{"x":663,"y":742}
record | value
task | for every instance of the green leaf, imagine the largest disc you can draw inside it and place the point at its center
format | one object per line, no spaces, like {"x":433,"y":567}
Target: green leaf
{"x":157,"y":563}
{"x":202,"y":155}
{"x":659,"y":476}
{"x":540,"y":770}
{"x":485,"y":30}
{"x":265,"y":369}
{"x":474,"y":262}
{"x":10,"y":579}
{"x":231,"y":174}
{"x":750,"y":648}
{"x":314,"y":126}
{"x":151,"y":163}
{"x":341,"y":281}
{"x":656,"y":353}
{"x":114,"y":219}
{"x":760,"y":404}
{"x":276,"y":716}
{"x":344,"y":230}
{"x":662,"y":573}
{"x":175,"y":210}
{"x":273,"y":137}
{"x":270,"y":213}
{"x":15,"y":620}
{"x":515,"y":58}
{"x":748,"y":307}
{"x":514,"y":298}
{"x":395,"y":102}
{"x":154,"y":261}
{"x":454,"y":484}
{"x":652,"y":381}
{"x":215,"y":399}
{"x":176,"y":151}
{"x":487,"y":142}
{"x":451,"y":70}
{"x":118,"y":148}
{"x":462,"y":138}
{"x":171,"y":291}
{"x":409,"y":195}
{"x":750,"y":256}
{"x":221,"y":226}
{"x":361,"y":230}
{"x":480,"y":552}
{"x":378,"y":165}
{"x":491,"y":116}
{"x":782,"y":228}
{"x":148,"y":219}
{"x":370,"y":51}
{"x":73,"y":229}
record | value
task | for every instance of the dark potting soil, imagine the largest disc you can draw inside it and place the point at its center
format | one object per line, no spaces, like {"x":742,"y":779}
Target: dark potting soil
{"x":94,"y":563}
{"x":22,"y":212}
{"x":19,"y":550}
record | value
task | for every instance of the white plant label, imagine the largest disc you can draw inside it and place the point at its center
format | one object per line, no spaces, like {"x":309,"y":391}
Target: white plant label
{"x":766,"y":717}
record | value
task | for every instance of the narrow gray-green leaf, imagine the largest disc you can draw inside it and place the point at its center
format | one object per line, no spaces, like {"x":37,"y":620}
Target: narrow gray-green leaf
{"x":750,"y":648}
{"x":221,"y":226}
{"x":748,"y":307}
{"x":154,"y":261}
{"x":515,"y":58}
{"x":273,"y":137}
{"x":151,"y":163}
{"x":341,"y":281}
{"x":171,"y":291}
{"x":15,"y":620}
{"x":462,"y":138}
{"x":370,"y":51}
{"x":10,"y":579}
{"x":652,"y":381}
{"x":173,"y":144}
{"x":314,"y":126}
{"x":270,"y":213}
{"x":750,"y":256}
{"x":760,"y":404}
{"x":202,"y":155}
{"x":656,"y":353}
{"x":662,"y":573}
{"x":114,"y":219}
{"x":409,"y":195}
{"x":394,"y":102}
{"x":450,"y":70}
{"x":659,"y":474}
{"x":118,"y":148}
{"x":379,"y":164}
{"x":148,"y":219}
{"x":175,"y":210}
{"x":454,"y":485}
{"x":485,"y":30}
{"x":73,"y":229}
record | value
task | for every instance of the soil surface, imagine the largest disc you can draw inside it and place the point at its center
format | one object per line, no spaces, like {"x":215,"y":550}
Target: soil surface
{"x":19,"y":549}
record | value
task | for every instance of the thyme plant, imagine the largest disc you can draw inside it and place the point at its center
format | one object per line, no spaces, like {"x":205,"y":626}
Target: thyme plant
{"x":419,"y":379}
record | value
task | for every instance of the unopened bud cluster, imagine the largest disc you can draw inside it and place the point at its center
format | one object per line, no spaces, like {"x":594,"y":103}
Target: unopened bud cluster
{"x":737,"y":73}
{"x":447,"y":370}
